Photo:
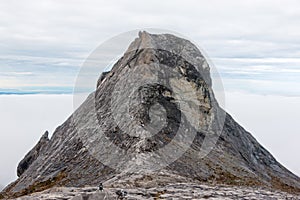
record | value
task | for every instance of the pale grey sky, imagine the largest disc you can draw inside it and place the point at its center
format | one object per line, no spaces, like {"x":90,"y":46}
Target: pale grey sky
{"x":44,"y":43}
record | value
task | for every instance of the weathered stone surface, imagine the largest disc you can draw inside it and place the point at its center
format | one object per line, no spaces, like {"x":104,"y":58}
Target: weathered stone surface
{"x":172,"y":191}
{"x":237,"y":159}
{"x":33,"y":154}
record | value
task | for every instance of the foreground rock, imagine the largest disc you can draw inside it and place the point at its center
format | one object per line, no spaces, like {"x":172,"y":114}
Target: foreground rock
{"x":100,"y":143}
{"x":172,"y":191}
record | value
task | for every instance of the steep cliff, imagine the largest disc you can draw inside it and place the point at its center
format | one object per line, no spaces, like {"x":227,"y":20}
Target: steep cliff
{"x":153,"y":117}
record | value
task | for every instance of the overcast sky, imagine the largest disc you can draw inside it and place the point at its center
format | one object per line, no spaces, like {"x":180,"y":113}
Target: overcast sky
{"x":255,"y":46}
{"x":44,"y":43}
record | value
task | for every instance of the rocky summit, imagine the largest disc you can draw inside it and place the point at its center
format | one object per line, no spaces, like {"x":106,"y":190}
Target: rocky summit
{"x":153,"y":126}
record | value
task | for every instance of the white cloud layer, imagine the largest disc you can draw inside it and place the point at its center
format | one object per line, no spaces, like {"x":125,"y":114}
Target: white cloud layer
{"x":273,"y":121}
{"x":24,"y":118}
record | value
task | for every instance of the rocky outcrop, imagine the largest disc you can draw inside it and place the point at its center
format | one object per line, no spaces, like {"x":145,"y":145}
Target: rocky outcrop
{"x":172,"y":191}
{"x":152,"y":119}
{"x":33,"y":154}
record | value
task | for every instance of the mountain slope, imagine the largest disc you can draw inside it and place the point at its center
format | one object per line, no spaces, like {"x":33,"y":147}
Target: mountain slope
{"x":152,"y":120}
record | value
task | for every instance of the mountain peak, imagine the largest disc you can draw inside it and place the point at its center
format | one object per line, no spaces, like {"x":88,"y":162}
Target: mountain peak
{"x":153,"y":120}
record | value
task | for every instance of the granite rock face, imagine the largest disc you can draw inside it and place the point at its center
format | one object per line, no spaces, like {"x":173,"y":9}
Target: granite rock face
{"x":33,"y":154}
{"x":117,"y":134}
{"x":172,"y":191}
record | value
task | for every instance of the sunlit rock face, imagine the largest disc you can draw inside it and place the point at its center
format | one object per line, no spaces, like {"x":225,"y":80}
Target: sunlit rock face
{"x":152,"y":121}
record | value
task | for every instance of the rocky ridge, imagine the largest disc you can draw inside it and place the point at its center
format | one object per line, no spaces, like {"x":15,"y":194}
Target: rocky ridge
{"x":71,"y":157}
{"x":33,"y":154}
